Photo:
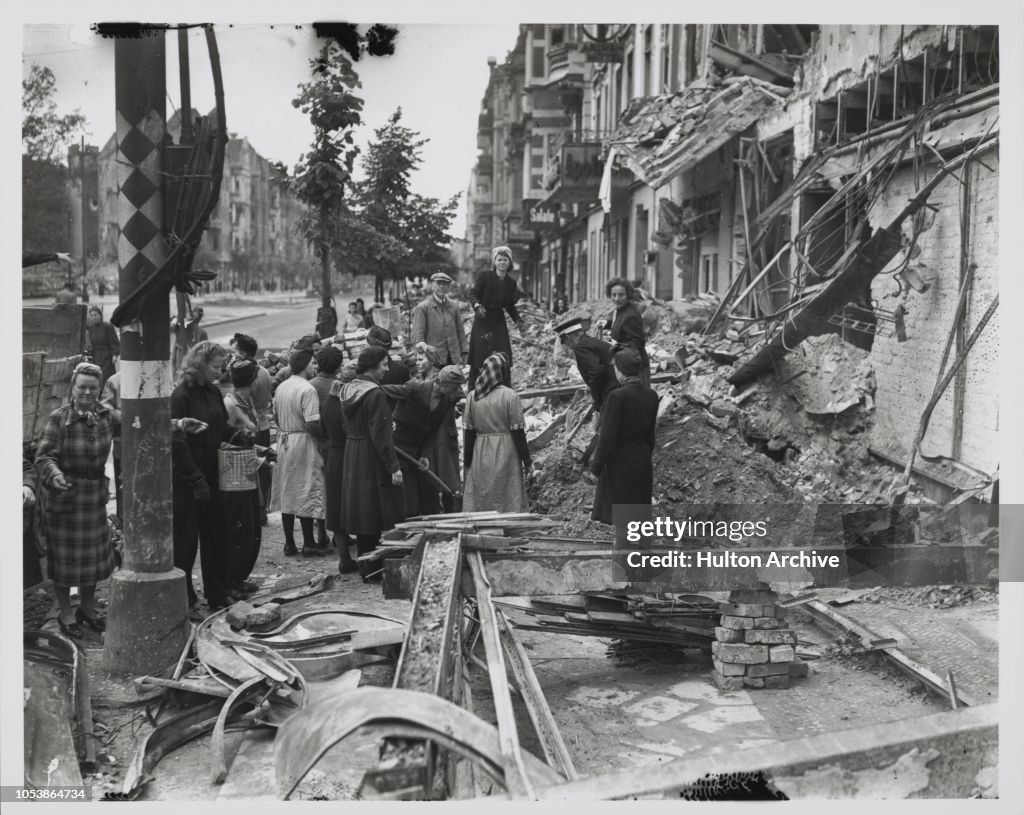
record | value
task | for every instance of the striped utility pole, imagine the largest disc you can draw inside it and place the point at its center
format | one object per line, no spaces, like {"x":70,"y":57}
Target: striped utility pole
{"x":147,"y":626}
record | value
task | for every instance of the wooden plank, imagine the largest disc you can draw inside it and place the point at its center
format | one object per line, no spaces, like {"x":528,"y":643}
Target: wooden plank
{"x":851,"y":757}
{"x":516,"y":780}
{"x":547,"y":434}
{"x":555,"y":750}
{"x":57,"y":330}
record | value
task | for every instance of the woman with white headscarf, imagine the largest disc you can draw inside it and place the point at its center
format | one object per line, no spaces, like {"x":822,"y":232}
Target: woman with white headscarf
{"x":494,"y":293}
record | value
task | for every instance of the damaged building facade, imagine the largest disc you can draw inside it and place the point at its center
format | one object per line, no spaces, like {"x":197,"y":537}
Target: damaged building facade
{"x":816,"y":179}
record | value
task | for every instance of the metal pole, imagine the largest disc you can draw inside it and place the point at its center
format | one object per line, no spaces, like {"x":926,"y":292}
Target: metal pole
{"x":85,"y":209}
{"x":148,"y":622}
{"x":186,"y":87}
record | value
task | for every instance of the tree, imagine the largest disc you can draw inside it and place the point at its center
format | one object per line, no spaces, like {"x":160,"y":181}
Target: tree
{"x":385,"y":201}
{"x":45,"y":134}
{"x":323,"y":174}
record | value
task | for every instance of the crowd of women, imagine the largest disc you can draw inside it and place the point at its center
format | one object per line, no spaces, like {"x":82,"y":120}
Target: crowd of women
{"x":362,"y":444}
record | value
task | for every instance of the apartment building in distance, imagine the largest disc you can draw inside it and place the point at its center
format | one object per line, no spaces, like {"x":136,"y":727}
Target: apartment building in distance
{"x":756,"y":162}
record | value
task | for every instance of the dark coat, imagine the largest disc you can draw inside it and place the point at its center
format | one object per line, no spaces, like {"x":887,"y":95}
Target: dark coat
{"x":333,"y":423}
{"x":623,"y":459}
{"x":628,"y":332}
{"x":490,"y":333}
{"x":422,"y":432}
{"x":370,"y":504}
{"x":103,"y":345}
{"x":594,"y":361}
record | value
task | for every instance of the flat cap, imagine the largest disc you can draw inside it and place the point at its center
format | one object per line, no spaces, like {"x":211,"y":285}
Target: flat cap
{"x":569,"y":326}
{"x":440,"y":277}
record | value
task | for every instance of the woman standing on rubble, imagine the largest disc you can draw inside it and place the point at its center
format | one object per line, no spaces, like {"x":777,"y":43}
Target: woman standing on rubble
{"x":494,"y":293}
{"x":623,"y":460}
{"x":627,"y":324}
{"x":371,"y":501}
{"x":70,"y":462}
{"x":497,"y":458}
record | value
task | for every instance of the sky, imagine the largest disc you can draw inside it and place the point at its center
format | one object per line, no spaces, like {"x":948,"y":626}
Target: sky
{"x":437,"y":75}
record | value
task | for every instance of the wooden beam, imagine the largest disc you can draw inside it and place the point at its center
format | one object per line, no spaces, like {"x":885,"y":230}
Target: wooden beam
{"x":841,"y":764}
{"x":516,"y":779}
{"x":544,"y":724}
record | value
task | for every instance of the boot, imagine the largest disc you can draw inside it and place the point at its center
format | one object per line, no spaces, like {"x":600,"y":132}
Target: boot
{"x":346,"y":563}
{"x":290,"y":548}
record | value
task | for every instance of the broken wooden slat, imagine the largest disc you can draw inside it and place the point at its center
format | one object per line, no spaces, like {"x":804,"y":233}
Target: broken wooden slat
{"x":547,"y":434}
{"x":544,"y":725}
{"x":923,"y":674}
{"x":516,"y":780}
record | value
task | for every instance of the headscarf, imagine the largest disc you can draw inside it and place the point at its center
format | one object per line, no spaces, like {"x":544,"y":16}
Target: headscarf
{"x":300,"y":359}
{"x":628,"y":362}
{"x":243,"y":372}
{"x":329,"y":359}
{"x":380,"y":337}
{"x":451,"y":375}
{"x":500,"y":250}
{"x":307,"y":342}
{"x":492,"y":374}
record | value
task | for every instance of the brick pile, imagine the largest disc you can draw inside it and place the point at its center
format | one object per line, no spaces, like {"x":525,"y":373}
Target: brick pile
{"x":753,"y":648}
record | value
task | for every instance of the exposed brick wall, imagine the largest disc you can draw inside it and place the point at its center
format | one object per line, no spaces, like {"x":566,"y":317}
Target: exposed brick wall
{"x":907,"y":372}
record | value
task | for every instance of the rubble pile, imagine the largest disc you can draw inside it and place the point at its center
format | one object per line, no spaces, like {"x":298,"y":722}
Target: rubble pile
{"x":753,"y":648}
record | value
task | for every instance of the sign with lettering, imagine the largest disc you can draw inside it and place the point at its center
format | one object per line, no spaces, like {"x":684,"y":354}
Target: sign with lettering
{"x":601,"y":52}
{"x":579,"y":172}
{"x":543,"y":217}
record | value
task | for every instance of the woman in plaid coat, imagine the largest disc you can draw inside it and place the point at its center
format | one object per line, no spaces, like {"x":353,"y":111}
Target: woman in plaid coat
{"x":70,"y":461}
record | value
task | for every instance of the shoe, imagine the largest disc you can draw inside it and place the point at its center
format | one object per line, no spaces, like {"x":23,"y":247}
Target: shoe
{"x":73,"y":630}
{"x":218,"y":604}
{"x":98,"y":624}
{"x":236,"y":596}
{"x":247,"y":587}
{"x":289,"y":549}
{"x":348,"y":567}
{"x":309,"y":551}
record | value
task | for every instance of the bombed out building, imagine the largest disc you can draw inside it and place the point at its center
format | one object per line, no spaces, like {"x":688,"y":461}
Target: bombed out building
{"x":815,"y":180}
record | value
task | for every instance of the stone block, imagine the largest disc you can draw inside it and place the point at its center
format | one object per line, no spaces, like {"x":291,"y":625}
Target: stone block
{"x":727,"y":682}
{"x":776,"y":682}
{"x":737,"y":652}
{"x":797,"y":668}
{"x":754,"y":682}
{"x":729,"y":634}
{"x":764,"y":623}
{"x":263,"y":617}
{"x":736,"y":623}
{"x":729,"y":668}
{"x":747,"y":609}
{"x":781,"y":653}
{"x":760,"y":596}
{"x":768,"y":669}
{"x":238,"y":613}
{"x":778,"y":636}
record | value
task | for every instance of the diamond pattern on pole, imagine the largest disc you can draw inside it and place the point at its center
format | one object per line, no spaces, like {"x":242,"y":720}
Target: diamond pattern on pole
{"x":136,"y":145}
{"x":138,"y":189}
{"x":139,"y":230}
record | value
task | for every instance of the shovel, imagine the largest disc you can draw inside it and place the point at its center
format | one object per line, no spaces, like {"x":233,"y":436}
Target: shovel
{"x":426,"y":470}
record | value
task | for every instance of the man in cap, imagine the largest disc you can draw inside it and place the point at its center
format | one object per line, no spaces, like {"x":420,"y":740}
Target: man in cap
{"x":425,"y":431}
{"x":593,"y":358}
{"x":299,"y":482}
{"x":437,"y":322}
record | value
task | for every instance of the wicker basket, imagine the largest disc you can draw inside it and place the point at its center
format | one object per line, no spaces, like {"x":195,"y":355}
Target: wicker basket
{"x":237,"y":468}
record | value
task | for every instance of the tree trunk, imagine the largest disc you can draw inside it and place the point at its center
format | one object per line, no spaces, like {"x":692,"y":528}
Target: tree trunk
{"x":325,"y":261}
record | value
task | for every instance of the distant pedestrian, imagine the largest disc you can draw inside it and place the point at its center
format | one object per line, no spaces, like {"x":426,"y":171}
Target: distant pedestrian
{"x":102,"y":341}
{"x":561,"y":306}
{"x":495,"y":293}
{"x":372,"y":501}
{"x":66,"y":296}
{"x":353,"y":320}
{"x":496,"y":455}
{"x":299,"y":480}
{"x":437,"y":322}
{"x":623,"y":458}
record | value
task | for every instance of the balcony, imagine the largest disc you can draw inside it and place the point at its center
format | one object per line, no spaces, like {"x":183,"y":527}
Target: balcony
{"x":485,"y":165}
{"x":565,"y":66}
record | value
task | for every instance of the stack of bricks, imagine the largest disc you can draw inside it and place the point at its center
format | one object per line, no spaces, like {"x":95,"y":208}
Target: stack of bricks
{"x":753,"y":648}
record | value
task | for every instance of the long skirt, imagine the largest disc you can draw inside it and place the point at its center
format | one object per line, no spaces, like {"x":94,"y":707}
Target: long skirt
{"x":78,"y":550}
{"x":488,"y":336}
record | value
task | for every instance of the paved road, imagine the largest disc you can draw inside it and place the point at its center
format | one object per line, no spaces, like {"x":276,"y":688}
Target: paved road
{"x":277,"y":328}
